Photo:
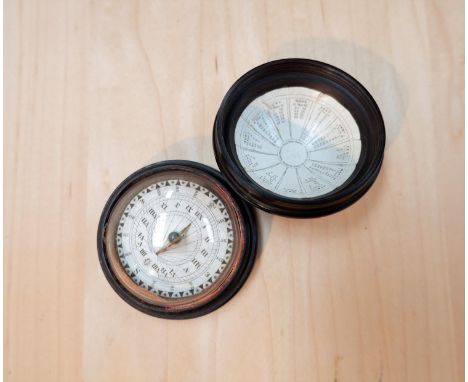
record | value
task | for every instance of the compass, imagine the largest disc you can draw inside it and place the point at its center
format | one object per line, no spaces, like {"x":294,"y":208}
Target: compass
{"x":294,"y":137}
{"x":174,"y":241}
{"x":299,"y":138}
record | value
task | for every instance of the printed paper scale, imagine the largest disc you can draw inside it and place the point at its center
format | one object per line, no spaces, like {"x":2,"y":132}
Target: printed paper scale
{"x":297,"y":142}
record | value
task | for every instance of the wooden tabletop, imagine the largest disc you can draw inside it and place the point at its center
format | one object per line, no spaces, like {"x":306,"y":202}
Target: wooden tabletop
{"x":97,"y":89}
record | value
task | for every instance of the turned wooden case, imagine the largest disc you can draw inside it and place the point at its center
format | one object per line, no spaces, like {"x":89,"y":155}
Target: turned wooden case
{"x":326,"y":79}
{"x":148,"y":302}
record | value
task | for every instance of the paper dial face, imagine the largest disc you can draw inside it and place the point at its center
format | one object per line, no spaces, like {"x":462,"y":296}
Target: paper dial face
{"x":297,"y":142}
{"x":175,"y":239}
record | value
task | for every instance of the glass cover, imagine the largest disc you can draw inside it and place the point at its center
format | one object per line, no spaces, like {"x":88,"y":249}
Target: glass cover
{"x":297,"y":142}
{"x":174,"y":237}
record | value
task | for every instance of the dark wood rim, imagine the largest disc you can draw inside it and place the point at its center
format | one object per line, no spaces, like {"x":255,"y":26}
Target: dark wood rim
{"x":322,"y":77}
{"x":243,"y":268}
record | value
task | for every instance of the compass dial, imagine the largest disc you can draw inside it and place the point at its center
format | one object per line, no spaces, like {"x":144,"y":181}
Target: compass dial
{"x":297,"y":142}
{"x":176,"y":239}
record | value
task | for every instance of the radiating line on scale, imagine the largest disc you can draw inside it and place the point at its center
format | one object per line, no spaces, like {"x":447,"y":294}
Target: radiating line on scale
{"x":246,"y":136}
{"x":288,"y":101}
{"x":311,"y":112}
{"x":268,"y":111}
{"x":318,"y":134}
{"x":256,"y":151}
{"x":254,"y":129}
{"x":338,"y":164}
{"x":332,"y":154}
{"x":313,"y":125}
{"x":300,"y":181}
{"x":319,"y":176}
{"x":330,"y":146}
{"x":265,"y":168}
{"x":281,"y":178}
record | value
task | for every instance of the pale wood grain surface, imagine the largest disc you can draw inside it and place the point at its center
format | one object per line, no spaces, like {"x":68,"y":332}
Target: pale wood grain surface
{"x":96,"y":89}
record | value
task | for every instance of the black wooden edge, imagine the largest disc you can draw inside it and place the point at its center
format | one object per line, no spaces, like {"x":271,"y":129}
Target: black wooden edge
{"x":371,"y":126}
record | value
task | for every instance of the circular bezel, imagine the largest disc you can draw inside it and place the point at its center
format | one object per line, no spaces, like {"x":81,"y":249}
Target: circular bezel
{"x":326,"y":79}
{"x":224,"y":289}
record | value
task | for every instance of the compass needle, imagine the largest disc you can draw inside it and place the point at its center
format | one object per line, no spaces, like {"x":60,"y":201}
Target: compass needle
{"x":173,"y":238}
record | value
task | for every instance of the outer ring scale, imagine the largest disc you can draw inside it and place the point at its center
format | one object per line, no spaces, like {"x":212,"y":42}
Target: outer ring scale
{"x":248,"y":251}
{"x":326,"y":79}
